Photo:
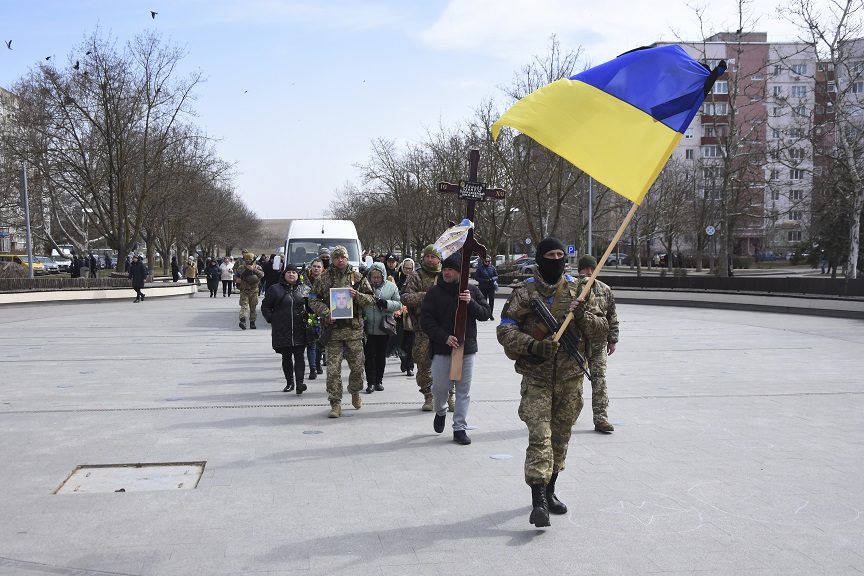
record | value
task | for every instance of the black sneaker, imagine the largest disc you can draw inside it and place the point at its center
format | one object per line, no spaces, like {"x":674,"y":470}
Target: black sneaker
{"x":461,"y":437}
{"x":438,"y":424}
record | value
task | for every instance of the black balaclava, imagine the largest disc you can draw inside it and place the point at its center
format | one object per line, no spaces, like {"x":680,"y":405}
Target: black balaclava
{"x":550,"y":269}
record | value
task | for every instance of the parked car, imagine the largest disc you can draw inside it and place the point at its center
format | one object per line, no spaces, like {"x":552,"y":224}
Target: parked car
{"x":21,"y":259}
{"x":514,"y":265}
{"x":474,"y":261}
{"x":50,"y":266}
{"x":617,"y":258}
{"x":62,"y":262}
{"x":526,"y":266}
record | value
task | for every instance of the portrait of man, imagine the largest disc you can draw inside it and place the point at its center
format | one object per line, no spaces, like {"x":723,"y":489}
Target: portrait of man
{"x":341,"y":304}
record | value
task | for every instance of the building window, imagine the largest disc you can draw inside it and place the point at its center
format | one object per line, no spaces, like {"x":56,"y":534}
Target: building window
{"x":778,"y":91}
{"x":796,"y":195}
{"x":795,"y":215}
{"x":688,"y":154}
{"x":777,"y":70}
{"x":713,"y":63}
{"x":857,"y":88}
{"x":775,"y":134}
{"x":720,"y":87}
{"x":776,"y":111}
{"x":710,"y":151}
{"x":688,"y":134}
{"x":775,"y":195}
{"x":799,"y":112}
{"x":796,"y":174}
{"x":797,"y":132}
{"x":710,"y":172}
{"x":799,"y":91}
{"x":796,"y":153}
{"x":716,"y":108}
{"x":832,"y":87}
{"x":799,"y":69}
{"x":794,"y":236}
{"x":775,"y":174}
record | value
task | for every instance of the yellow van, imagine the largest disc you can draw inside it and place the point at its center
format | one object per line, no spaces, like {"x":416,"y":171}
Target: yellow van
{"x":38,"y":268}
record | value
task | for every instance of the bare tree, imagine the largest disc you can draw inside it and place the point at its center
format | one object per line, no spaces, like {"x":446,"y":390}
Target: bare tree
{"x":834,"y":31}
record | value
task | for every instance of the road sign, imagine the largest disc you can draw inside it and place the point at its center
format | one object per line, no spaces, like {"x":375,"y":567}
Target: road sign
{"x":710,"y":230}
{"x":571,"y":249}
{"x":527,"y":240}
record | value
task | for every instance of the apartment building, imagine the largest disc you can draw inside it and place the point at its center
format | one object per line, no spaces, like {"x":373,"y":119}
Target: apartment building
{"x":762,"y":109}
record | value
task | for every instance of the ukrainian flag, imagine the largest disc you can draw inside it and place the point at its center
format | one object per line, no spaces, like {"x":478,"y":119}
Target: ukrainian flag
{"x":619,"y":121}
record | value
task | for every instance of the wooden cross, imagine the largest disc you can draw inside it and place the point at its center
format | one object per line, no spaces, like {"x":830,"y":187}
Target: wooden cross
{"x":472,"y":191}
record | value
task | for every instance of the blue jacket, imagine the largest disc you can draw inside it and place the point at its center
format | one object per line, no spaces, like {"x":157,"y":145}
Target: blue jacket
{"x":486,"y":275}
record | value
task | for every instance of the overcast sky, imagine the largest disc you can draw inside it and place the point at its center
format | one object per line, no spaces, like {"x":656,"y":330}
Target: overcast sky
{"x":297,"y":89}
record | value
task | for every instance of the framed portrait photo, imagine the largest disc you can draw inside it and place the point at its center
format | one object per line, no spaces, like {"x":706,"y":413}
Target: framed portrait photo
{"x":341,"y":303}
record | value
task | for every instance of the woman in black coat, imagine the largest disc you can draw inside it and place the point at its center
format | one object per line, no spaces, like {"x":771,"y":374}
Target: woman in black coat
{"x":213,"y":276}
{"x":284,"y":307}
{"x":138,"y":275}
{"x":175,"y":269}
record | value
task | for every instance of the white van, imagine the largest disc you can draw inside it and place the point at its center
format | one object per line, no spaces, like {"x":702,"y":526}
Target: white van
{"x":306,"y":237}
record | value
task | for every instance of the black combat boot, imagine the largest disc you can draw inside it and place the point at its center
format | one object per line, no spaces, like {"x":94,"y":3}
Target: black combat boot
{"x":312,"y":373}
{"x":288,"y":387}
{"x":252,"y":324}
{"x":555,"y":505}
{"x":540,"y":514}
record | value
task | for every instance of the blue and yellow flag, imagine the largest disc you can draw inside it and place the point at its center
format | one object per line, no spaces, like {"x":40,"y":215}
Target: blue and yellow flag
{"x":619,"y":121}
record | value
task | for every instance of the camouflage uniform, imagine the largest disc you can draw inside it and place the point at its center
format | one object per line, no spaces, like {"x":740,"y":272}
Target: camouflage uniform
{"x":552,"y":390}
{"x":248,"y":291}
{"x":347,"y":334}
{"x":603,"y":299}
{"x":415,"y":291}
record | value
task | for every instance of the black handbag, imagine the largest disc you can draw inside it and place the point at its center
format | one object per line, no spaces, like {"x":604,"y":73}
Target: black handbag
{"x":388,"y":324}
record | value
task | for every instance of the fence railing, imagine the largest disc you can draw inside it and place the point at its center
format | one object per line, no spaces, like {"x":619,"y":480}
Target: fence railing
{"x":64,"y":283}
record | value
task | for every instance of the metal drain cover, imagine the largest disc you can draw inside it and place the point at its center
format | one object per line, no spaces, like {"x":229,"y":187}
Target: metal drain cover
{"x":91,"y":479}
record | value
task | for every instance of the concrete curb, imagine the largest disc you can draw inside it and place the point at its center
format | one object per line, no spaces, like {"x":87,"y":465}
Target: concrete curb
{"x":153,"y":290}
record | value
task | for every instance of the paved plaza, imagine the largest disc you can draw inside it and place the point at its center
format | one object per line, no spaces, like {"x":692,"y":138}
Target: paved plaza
{"x":738,"y":449}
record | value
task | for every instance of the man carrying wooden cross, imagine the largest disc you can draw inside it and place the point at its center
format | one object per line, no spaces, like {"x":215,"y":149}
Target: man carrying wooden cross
{"x":551,"y":386}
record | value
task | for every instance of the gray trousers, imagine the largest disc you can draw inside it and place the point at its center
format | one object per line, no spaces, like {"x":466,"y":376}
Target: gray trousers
{"x":441,"y":388}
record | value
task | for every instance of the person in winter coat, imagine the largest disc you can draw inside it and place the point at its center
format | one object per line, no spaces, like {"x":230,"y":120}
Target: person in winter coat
{"x":190,"y":270}
{"x":386,"y":302}
{"x":487,"y":280}
{"x":213,"y":276}
{"x":314,"y":352}
{"x":438,"y":320}
{"x":138,"y":275}
{"x":407,"y":343}
{"x":226,"y":274}
{"x":175,"y":269}
{"x":284,"y":307}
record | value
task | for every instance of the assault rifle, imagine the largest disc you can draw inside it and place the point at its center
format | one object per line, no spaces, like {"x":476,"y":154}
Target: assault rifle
{"x":569,"y":340}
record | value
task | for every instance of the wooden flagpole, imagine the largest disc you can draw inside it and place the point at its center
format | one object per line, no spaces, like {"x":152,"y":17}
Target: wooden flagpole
{"x":600,"y":264}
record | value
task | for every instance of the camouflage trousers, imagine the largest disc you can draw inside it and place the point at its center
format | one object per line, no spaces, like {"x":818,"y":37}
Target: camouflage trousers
{"x":599,"y":394}
{"x":356,"y":359}
{"x":549,"y":410}
{"x":424,"y":362}
{"x":248,"y":305}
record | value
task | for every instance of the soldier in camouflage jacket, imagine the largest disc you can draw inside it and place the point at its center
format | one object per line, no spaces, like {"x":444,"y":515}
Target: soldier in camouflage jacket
{"x":599,"y":349}
{"x":247,"y":276}
{"x":551,"y":387}
{"x":347,"y":334}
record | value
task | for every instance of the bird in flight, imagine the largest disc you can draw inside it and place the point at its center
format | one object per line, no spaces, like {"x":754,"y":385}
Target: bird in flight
{"x":77,"y":65}
{"x":9,"y":44}
{"x":47,"y":58}
{"x":153,"y":14}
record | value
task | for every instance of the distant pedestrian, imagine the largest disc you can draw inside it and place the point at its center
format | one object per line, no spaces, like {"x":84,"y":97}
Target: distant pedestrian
{"x":190,"y":271}
{"x":138,"y":276}
{"x":226,"y":274}
{"x":200,"y":266}
{"x":127,"y":264}
{"x":487,"y":280}
{"x":75,"y":268}
{"x":175,"y":269}
{"x":248,"y":276}
{"x":94,"y":266}
{"x":407,"y":342}
{"x":213,"y":276}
